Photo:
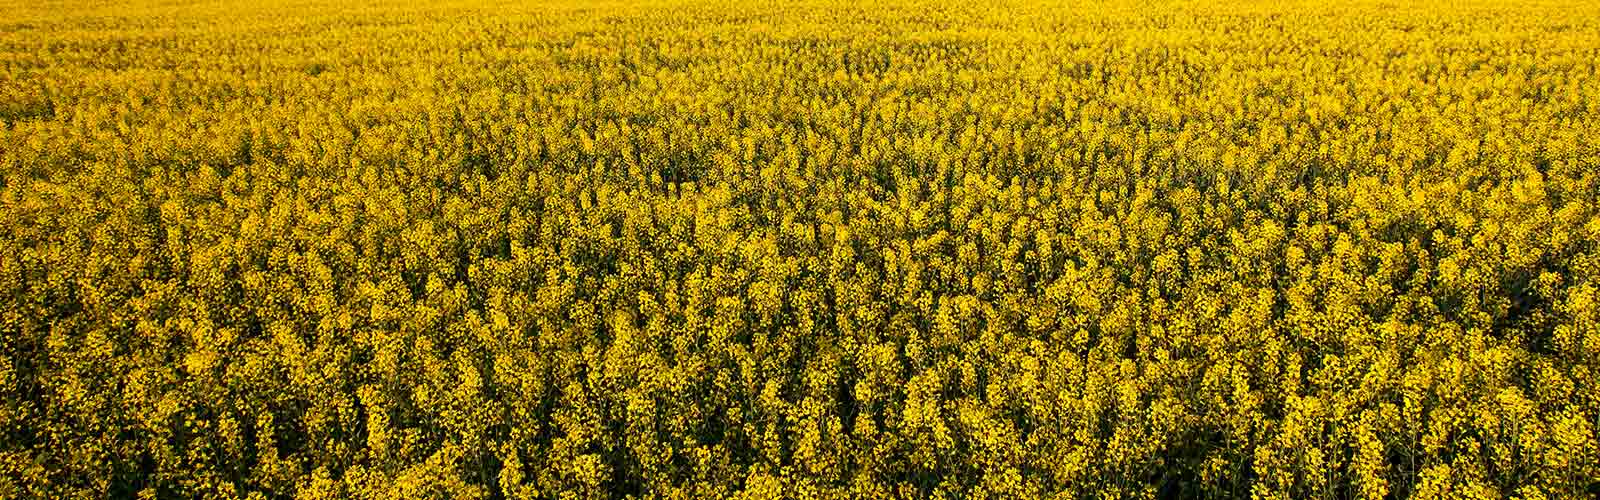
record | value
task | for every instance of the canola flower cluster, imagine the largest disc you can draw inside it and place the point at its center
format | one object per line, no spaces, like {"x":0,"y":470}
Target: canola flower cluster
{"x":799,"y":249}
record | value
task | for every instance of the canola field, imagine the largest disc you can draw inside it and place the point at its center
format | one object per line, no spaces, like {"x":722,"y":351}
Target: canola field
{"x":808,"y":249}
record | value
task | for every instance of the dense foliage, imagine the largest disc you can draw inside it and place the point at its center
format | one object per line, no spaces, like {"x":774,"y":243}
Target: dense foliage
{"x":815,"y":249}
